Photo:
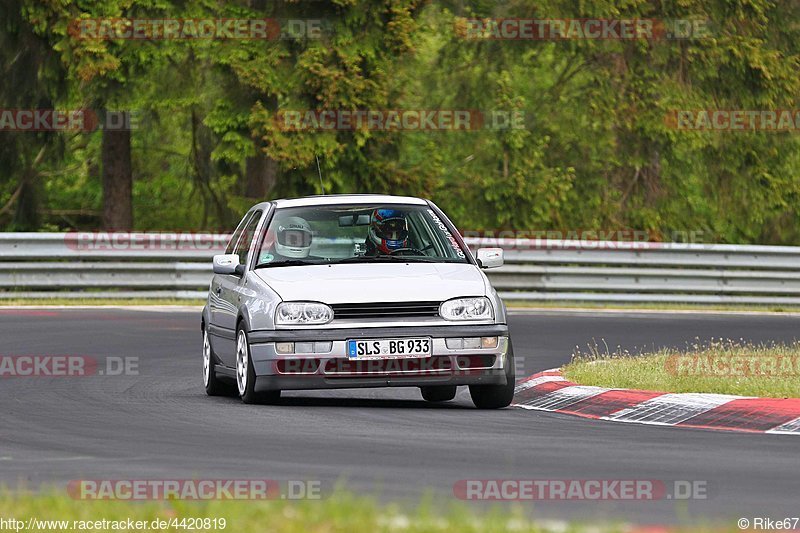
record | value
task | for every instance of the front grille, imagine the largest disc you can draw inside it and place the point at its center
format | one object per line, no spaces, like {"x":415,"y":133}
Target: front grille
{"x":298,"y":366}
{"x":386,"y":310}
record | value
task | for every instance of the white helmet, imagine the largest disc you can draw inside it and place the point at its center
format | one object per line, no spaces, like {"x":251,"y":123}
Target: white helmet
{"x":293,"y":238}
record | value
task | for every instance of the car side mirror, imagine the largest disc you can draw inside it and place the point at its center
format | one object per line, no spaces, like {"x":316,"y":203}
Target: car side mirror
{"x":228,"y":264}
{"x":490,"y":257}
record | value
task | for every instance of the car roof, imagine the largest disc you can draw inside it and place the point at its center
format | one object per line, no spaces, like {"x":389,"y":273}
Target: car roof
{"x":339,"y":199}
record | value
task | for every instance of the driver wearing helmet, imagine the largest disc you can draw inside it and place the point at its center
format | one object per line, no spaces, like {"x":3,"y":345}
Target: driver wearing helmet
{"x":293,"y":238}
{"x":388,"y":231}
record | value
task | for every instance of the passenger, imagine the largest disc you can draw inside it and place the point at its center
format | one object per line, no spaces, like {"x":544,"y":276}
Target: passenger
{"x":292,"y":241}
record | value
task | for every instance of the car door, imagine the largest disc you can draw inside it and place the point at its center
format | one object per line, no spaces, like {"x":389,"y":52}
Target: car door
{"x":222,"y":339}
{"x":214,"y":290}
{"x":229,"y":287}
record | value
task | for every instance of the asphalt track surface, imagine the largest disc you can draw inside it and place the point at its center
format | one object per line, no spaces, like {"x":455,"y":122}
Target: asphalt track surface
{"x":384,"y":442}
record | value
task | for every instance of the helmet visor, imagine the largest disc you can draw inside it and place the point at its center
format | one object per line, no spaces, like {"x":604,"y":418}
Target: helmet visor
{"x":393,"y":229}
{"x":295,"y":238}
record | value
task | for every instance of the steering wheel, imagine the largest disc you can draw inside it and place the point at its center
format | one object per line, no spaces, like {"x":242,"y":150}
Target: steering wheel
{"x":410,"y":250}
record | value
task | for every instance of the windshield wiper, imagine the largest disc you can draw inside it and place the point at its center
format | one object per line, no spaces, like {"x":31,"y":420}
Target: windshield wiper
{"x":288,"y":262}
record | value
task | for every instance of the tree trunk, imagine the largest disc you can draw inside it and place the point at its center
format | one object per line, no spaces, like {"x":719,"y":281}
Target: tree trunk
{"x":261,"y":174}
{"x":117,"y":179}
{"x":27,"y":216}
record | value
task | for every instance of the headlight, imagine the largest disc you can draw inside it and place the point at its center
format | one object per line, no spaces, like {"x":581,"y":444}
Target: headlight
{"x":467,"y":309}
{"x":302,"y":313}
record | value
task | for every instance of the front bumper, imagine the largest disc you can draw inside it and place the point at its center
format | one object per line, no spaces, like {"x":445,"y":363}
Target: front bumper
{"x":333,"y":369}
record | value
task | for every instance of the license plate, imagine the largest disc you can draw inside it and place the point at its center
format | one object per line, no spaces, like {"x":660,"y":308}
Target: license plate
{"x":389,"y":348}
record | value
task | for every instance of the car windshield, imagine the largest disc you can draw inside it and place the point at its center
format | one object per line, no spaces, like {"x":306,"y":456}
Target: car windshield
{"x":357,"y":234}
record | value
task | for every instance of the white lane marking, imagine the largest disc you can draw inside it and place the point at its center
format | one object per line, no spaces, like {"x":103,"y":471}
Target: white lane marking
{"x":665,"y":410}
{"x":671,"y":409}
{"x":792,"y":427}
{"x":561,"y":398}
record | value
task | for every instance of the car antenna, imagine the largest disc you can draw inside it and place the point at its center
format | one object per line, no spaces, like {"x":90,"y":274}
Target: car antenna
{"x":321,"y":186}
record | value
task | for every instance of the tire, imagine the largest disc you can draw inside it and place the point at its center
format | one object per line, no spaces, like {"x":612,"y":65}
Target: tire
{"x":213,"y":385}
{"x":496,"y":396}
{"x":439,"y":393}
{"x":246,"y":374}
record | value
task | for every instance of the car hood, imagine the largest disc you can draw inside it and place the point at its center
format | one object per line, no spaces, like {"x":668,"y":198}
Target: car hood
{"x":358,"y":283}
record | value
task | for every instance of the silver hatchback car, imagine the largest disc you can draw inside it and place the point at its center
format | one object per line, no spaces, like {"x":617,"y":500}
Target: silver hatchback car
{"x":351,"y":291}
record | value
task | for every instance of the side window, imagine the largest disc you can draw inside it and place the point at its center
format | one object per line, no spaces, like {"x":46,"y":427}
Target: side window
{"x":419,"y":234}
{"x":237,"y":233}
{"x":243,"y":246}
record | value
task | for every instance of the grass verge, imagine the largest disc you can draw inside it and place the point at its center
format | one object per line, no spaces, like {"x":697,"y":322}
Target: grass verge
{"x":723,"y":366}
{"x":340,"y":512}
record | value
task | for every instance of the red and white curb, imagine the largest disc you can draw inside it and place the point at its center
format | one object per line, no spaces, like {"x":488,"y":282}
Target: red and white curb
{"x":550,"y":391}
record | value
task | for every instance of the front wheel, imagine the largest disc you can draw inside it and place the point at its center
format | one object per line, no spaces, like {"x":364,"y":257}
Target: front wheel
{"x":246,"y":374}
{"x":496,"y":396}
{"x":213,"y":385}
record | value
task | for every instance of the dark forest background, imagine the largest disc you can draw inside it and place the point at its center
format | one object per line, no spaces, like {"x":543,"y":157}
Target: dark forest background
{"x":596,"y":152}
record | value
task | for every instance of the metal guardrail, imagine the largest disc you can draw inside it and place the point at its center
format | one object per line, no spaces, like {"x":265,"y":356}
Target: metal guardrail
{"x":150,"y":265}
